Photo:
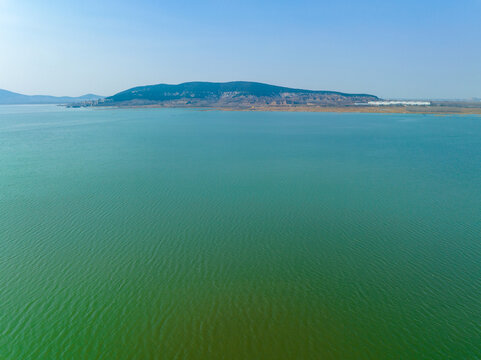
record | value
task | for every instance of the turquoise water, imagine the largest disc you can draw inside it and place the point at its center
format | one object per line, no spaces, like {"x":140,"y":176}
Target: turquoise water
{"x":183,"y":234}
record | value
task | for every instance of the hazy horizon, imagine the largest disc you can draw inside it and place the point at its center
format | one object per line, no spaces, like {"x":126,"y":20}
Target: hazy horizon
{"x":107,"y":95}
{"x":409,"y":50}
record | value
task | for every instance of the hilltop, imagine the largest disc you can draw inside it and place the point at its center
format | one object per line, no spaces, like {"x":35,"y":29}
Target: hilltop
{"x":238,"y":94}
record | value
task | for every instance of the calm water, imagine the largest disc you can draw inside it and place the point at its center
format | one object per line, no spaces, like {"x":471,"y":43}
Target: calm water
{"x":175,"y":234}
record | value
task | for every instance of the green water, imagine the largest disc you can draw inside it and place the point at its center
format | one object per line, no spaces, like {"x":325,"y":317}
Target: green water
{"x":177,"y":234}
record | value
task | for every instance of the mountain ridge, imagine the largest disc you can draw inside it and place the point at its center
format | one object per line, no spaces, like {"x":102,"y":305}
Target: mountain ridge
{"x":12,"y":98}
{"x":227,"y":94}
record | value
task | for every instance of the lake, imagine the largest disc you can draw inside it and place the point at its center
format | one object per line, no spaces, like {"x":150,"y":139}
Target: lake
{"x":188,"y":234}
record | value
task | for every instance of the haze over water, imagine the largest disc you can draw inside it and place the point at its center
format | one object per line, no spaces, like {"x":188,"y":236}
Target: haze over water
{"x":184,"y":234}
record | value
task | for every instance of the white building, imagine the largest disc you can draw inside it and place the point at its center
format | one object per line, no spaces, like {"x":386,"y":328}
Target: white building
{"x":401,"y":103}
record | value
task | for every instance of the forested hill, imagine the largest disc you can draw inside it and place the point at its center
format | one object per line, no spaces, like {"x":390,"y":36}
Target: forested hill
{"x":238,"y":93}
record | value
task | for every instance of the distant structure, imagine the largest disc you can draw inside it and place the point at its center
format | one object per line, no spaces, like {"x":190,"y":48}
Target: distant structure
{"x":399,"y":103}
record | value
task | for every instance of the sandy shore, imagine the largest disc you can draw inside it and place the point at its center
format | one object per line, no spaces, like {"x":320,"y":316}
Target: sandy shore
{"x":434,"y":110}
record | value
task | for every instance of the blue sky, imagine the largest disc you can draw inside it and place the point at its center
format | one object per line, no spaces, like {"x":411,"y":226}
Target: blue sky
{"x":394,"y":49}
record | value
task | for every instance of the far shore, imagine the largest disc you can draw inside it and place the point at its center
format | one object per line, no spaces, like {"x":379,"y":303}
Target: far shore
{"x":434,"y":110}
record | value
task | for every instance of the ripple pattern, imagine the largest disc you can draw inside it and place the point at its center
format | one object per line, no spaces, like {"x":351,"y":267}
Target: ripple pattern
{"x":175,"y":234}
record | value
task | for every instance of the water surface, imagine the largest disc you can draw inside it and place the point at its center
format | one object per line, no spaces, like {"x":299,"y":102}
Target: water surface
{"x":180,"y":234}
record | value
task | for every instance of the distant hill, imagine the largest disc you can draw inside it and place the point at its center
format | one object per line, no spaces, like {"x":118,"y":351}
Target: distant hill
{"x":11,"y":98}
{"x":230,"y":94}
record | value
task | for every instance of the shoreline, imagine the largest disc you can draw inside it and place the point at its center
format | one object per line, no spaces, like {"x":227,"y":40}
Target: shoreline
{"x":372,"y":110}
{"x":431,"y":110}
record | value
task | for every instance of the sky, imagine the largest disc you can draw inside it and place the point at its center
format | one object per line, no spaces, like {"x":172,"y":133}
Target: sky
{"x":393,"y":49}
